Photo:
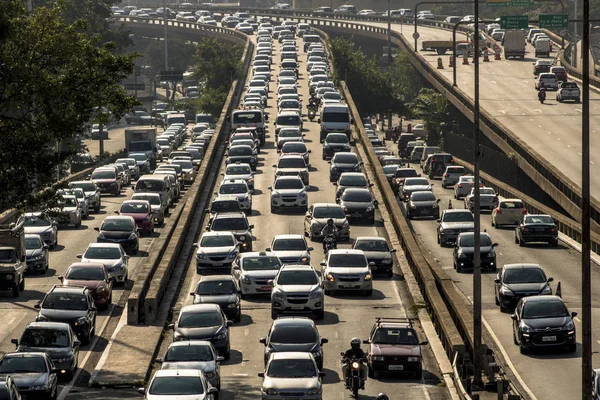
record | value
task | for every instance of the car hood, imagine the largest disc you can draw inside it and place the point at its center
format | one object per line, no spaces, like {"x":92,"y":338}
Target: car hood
{"x":299,"y":288}
{"x":62,"y":315}
{"x":458,"y":225}
{"x":206,"y":366}
{"x":219,"y":299}
{"x":301,"y":347}
{"x":377,"y":255}
{"x":471,"y":250}
{"x":216,"y":250}
{"x":91,"y":285}
{"x":136,"y":216}
{"x":104,"y":180}
{"x":116,"y":234}
{"x":89,"y":194}
{"x":270,"y":274}
{"x":33,"y":252}
{"x":526,"y":287}
{"x":25,"y":380}
{"x":355,"y":204}
{"x":344,"y":165}
{"x":543,"y":323}
{"x":235,"y":177}
{"x":290,"y":383}
{"x":199,"y":333}
{"x":107,"y":263}
{"x":288,"y":192}
{"x":347,"y":271}
{"x":416,"y":188}
{"x":395,"y":350}
{"x":291,"y":253}
{"x":37,"y":229}
{"x":424,"y":204}
{"x":53,"y":352}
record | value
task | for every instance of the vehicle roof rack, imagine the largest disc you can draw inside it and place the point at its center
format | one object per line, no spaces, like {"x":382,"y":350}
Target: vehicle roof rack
{"x":379,"y":320}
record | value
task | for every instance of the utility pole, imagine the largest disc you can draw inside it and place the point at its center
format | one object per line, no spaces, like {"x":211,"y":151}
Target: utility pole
{"x":574,"y":61}
{"x":586,"y":279}
{"x":166,"y":46}
{"x":101,"y":140}
{"x":389,"y":31}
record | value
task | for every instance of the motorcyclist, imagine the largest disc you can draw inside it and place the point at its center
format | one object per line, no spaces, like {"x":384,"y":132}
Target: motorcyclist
{"x":355,"y":352}
{"x":329,"y":229}
{"x":382,"y":396}
{"x":542,"y":94}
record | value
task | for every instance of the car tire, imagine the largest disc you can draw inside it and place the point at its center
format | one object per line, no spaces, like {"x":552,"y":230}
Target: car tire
{"x":22,"y":284}
{"x":572,"y":348}
{"x":327,"y":292}
{"x":408,"y":216}
{"x":369,"y":293}
{"x":555,"y":243}
{"x":320,"y":315}
{"x":418,"y":374}
{"x":371,"y":373}
{"x":273,"y":210}
{"x":515,"y":338}
{"x":15,"y":291}
{"x":238,"y":317}
{"x":78,"y":224}
{"x":522,"y":349}
{"x":496,"y":300}
{"x":521,"y":242}
{"x":516,"y":239}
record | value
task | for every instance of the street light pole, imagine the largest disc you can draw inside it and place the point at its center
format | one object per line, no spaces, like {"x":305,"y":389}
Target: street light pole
{"x":389,"y":32}
{"x":166,"y":45}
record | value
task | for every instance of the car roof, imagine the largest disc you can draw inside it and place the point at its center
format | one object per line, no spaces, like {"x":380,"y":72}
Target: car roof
{"x":522,"y":266}
{"x":224,"y":197}
{"x":288,"y":236}
{"x":200,"y":307}
{"x":104,"y":245}
{"x":216,"y":278}
{"x":68,"y":289}
{"x":293,"y":321}
{"x":26,"y":354}
{"x":224,"y":233}
{"x":346,"y":251}
{"x":291,"y":355}
{"x":344,"y":174}
{"x":542,"y":298}
{"x":320,"y":205}
{"x":375,"y":238}
{"x":230,"y":215}
{"x":357,"y":190}
{"x":232,"y":181}
{"x":178,"y":372}
{"x":457,"y":211}
{"x":48,"y":325}
{"x":297,"y":267}
{"x":189,"y":343}
{"x":118,"y":217}
{"x":258,"y":254}
{"x":509,"y":200}
{"x":287,"y":155}
{"x":87,"y":265}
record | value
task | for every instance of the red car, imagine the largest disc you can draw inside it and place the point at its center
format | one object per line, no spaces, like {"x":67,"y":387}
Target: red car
{"x":560,"y":72}
{"x":92,"y":276}
{"x":141,"y":211}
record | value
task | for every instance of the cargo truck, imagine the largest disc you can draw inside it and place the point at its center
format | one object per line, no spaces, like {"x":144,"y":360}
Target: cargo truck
{"x":13,"y":261}
{"x":514,"y":44}
{"x":251,"y":118}
{"x":142,"y":140}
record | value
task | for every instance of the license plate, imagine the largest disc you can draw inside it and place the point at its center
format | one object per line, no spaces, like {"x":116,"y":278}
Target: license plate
{"x":356,"y":215}
{"x":549,"y":339}
{"x":218,"y":264}
{"x":297,"y":307}
{"x":347,"y":286}
{"x":265,"y":288}
{"x":395,"y":367}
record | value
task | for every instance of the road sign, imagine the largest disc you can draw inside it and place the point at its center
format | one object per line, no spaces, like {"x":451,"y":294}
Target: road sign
{"x":521,"y":3}
{"x":553,"y":21}
{"x":416,"y":35}
{"x":514,"y":22}
{"x":171,"y":76}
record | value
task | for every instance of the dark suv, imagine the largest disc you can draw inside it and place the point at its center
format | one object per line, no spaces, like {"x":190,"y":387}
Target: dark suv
{"x":72,"y":305}
{"x":237,"y":223}
{"x":294,"y":334}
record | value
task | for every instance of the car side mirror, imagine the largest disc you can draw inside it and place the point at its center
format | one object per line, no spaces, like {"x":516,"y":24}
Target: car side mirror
{"x":171,"y":326}
{"x":424,"y":343}
{"x":366,"y":342}
{"x":550,"y":280}
{"x":270,"y":187}
{"x":261,"y":374}
{"x":342,"y":354}
{"x":141,"y":390}
{"x":220,"y":358}
{"x":126,"y":257}
{"x":322,"y":263}
{"x":60,"y":278}
{"x":94,"y":309}
{"x":271,"y":282}
{"x":97,"y":229}
{"x":438,"y":221}
{"x":192,"y":293}
{"x":513,"y":317}
{"x":15,"y":341}
{"x":392,"y":251}
{"x":321,"y":374}
{"x":372,"y":264}
{"x":37,"y":306}
{"x":158,"y":360}
{"x":573,"y":314}
{"x":497,"y":281}
{"x":310,"y":249}
{"x":236,"y":267}
{"x":263,"y":341}
{"x":250,"y":226}
{"x":229,"y":323}
{"x":76,"y":343}
{"x":274,"y":165}
{"x":495,"y":245}
{"x":116,"y":212}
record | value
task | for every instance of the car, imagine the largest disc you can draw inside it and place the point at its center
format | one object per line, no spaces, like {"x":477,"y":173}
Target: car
{"x":297,"y":290}
{"x":158,"y":209}
{"x":316,"y":218}
{"x":464,"y":249}
{"x":56,"y":339}
{"x":36,"y":251}
{"x":8,"y":388}
{"x":224,"y":204}
{"x":541,"y":66}
{"x":253,"y":271}
{"x":293,"y":333}
{"x":81,"y":199}
{"x":33,"y":373}
{"x":291,"y":249}
{"x":463,"y":186}
{"x":542,"y":322}
{"x":67,"y":211}
{"x":242,"y":171}
{"x":188,"y":169}
{"x":388,"y":160}
{"x":389,"y":171}
{"x":536,"y":228}
{"x":142,"y":162}
{"x":179,"y":384}
{"x":72,"y":305}
{"x":91,"y":191}
{"x":142,"y":214}
{"x":547,"y":80}
{"x":423,"y":204}
{"x":112,"y":256}
{"x":216,"y":251}
{"x":515,"y":281}
{"x":334,"y":143}
{"x":292,"y":165}
{"x":394,"y":348}
{"x":296,"y":148}
{"x":238,"y":188}
{"x":292,"y":372}
{"x":568,"y":91}
{"x":411,"y":185}
{"x":121,"y":230}
{"x":92,"y":276}
{"x":400,"y":175}
{"x":358,"y":203}
{"x":106,"y":180}
{"x":204,"y":322}
{"x":222,"y":290}
{"x":488,"y":199}
{"x":343,"y":162}
{"x":288,"y":135}
{"x":194,"y":354}
{"x":288,"y":192}
{"x":351,"y":180}
{"x":378,"y":252}
{"x":41,"y":224}
{"x":236,"y":223}
{"x":138,"y":118}
{"x":452,"y":175}
{"x":508,"y":212}
{"x":452,"y":223}
{"x":560,"y":72}
{"x":348,"y":270}
{"x":287,"y":119}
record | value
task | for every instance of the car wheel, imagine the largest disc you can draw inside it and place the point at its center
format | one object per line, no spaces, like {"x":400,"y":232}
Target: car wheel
{"x":238,"y":317}
{"x":496,"y":299}
{"x":515,"y":338}
{"x":555,"y":243}
{"x":522,"y":349}
{"x":521,"y":243}
{"x":321,"y":314}
{"x":572,"y":348}
{"x":369,"y":293}
{"x":78,"y":224}
{"x":371,"y":373}
{"x":408,"y":216}
{"x":516,"y":239}
{"x":273,"y":210}
{"x":419,"y":374}
{"x":15,"y":291}
{"x":327,"y":292}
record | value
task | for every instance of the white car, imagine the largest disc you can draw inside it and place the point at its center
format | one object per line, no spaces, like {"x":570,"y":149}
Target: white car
{"x":288,"y":192}
{"x":347,"y":269}
{"x":463,"y":187}
{"x":548,"y":80}
{"x":508,"y":212}
{"x":367,"y":12}
{"x":238,"y":188}
{"x":216,"y":250}
{"x":254,"y":270}
{"x":179,"y":384}
{"x":68,"y":211}
{"x":240,"y":171}
{"x":296,"y":372}
{"x":112,"y":256}
{"x":291,"y":249}
{"x":293,"y":165}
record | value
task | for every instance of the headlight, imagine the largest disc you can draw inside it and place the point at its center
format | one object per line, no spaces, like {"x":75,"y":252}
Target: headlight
{"x":81,"y":321}
{"x":37,"y":388}
{"x":435,"y":205}
{"x":413,"y":359}
{"x":345,"y":209}
{"x":210,"y":374}
{"x":525,"y":328}
{"x":243,"y":238}
{"x":317,"y":353}
{"x":271,"y":392}
{"x":133,"y":236}
{"x":252,"y":160}
{"x":569,"y":326}
{"x":546,"y":290}
{"x":37,"y":258}
{"x":313,"y":391}
{"x":316,"y":294}
{"x":101,"y":236}
{"x":201,"y":256}
{"x":278,"y":294}
{"x":232,"y":305}
{"x":246,"y":280}
{"x":370,"y":208}
{"x":355,"y":365}
{"x":491,"y":254}
{"x":330,"y":278}
{"x":221,"y":336}
{"x":65,"y":359}
{"x":100,"y":289}
{"x":9,"y":277}
{"x":386,"y":261}
{"x":377,"y":358}
{"x":334,"y":168}
{"x":506,"y":291}
{"x":368,"y":277}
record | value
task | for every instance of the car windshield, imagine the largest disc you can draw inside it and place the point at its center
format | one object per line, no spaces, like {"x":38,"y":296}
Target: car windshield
{"x":86,"y":186}
{"x":240,"y":151}
{"x":545,"y":309}
{"x":33,"y":337}
{"x":427,"y":196}
{"x":229,"y":224}
{"x":468,"y":180}
{"x":398,"y":336}
{"x":487,"y":191}
{"x":289,"y":244}
{"x":233,"y":188}
{"x":289,"y":184}
{"x":345,"y":159}
{"x":102,"y":253}
{"x":261,"y":263}
{"x":524,"y":275}
{"x":105,"y":174}
{"x":294,"y":148}
{"x":22,"y":365}
{"x":306,"y":277}
{"x":458,"y":217}
{"x":371,"y":245}
{"x":289,"y":368}
{"x":216,"y":288}
{"x":217,"y":241}
{"x":291,"y":163}
{"x":189,"y":353}
{"x":154,"y":200}
{"x":139,"y":157}
{"x":33,"y":243}
{"x":328,"y":212}
{"x":416,"y":182}
{"x":134,"y":208}
{"x":359,"y":196}
{"x":224,"y":206}
{"x":539,"y":219}
{"x":469,"y":240}
{"x":353,"y":180}
{"x":65,"y":301}
{"x":8,"y":256}
{"x":290,"y":133}
{"x":85,"y":274}
{"x":455,"y":170}
{"x":293,"y":334}
{"x":35,"y":221}
{"x":337,"y":139}
{"x":118,"y":224}
{"x":332,"y":96}
{"x":292,"y":120}
{"x":238,"y":170}
{"x":67,"y":202}
{"x":176,"y":386}
{"x":149,"y":185}
{"x":184,"y":164}
{"x":192,"y":319}
{"x":347,"y":260}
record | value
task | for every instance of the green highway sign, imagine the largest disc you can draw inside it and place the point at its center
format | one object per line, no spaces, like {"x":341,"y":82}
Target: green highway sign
{"x":552,"y":21}
{"x":521,"y":3}
{"x":514,"y":22}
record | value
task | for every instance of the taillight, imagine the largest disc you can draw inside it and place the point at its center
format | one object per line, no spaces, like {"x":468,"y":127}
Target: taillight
{"x":446,"y":175}
{"x":498,"y":210}
{"x":525,"y":229}
{"x":496,"y":199}
{"x":553,"y":229}
{"x":524,"y":211}
{"x":460,"y":185}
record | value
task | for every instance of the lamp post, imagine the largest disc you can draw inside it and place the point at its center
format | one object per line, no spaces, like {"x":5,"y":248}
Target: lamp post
{"x":166,"y":45}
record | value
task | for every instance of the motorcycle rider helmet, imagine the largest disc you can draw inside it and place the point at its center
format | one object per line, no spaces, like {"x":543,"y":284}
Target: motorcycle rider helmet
{"x":330,"y":222}
{"x":382,"y":396}
{"x":355,"y":343}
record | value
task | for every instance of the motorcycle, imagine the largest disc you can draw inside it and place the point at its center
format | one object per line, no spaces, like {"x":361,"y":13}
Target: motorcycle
{"x":312,"y":113}
{"x":542,"y":96}
{"x":329,"y":243}
{"x":353,"y":378}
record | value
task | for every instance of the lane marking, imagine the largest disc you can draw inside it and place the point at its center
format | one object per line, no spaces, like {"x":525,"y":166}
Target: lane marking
{"x":246,"y":332}
{"x":425,"y":392}
{"x":577,"y":319}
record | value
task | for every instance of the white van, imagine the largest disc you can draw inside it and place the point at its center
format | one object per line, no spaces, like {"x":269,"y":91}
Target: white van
{"x":335,"y":118}
{"x":542,"y":48}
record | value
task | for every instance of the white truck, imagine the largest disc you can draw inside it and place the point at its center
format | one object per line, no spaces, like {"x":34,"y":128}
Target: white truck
{"x":251,"y":118}
{"x":12,"y":258}
{"x":142,"y":140}
{"x":514,"y":44}
{"x":542,"y":48}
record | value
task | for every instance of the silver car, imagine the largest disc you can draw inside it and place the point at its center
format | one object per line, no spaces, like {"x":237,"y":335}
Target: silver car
{"x":92,"y":193}
{"x":452,"y":223}
{"x":41,"y":224}
{"x":81,"y":199}
{"x":164,"y":380}
{"x":488,"y":199}
{"x":240,"y":171}
{"x":158,"y":209}
{"x":216,"y":250}
{"x":288,"y":192}
{"x":452,"y":174}
{"x":295,"y":373}
{"x":463,"y":186}
{"x":347,"y":269}
{"x":291,"y":249}
{"x":294,"y":165}
{"x":297,"y":289}
{"x":112,"y":256}
{"x":68,"y":211}
{"x":254,"y":270}
{"x":316,"y":218}
{"x":238,"y":188}
{"x":194,"y":354}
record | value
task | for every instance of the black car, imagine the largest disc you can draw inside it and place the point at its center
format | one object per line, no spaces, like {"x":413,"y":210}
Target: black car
{"x":139,"y":118}
{"x":294,"y":334}
{"x":358,"y":204}
{"x":423,"y":204}
{"x":465,"y":249}
{"x":400,"y":175}
{"x":378,"y":253}
{"x":34,"y":374}
{"x":73,"y":305}
{"x":543,"y":322}
{"x":333,"y":143}
{"x":55,"y":339}
{"x":389,"y":171}
{"x":222,"y":290}
{"x":242,"y":153}
{"x":8,"y":388}
{"x":235,"y":222}
{"x":343,"y":162}
{"x":204,"y":322}
{"x":351,"y":180}
{"x":536,"y":228}
{"x":121,"y":230}
{"x":515,"y":281}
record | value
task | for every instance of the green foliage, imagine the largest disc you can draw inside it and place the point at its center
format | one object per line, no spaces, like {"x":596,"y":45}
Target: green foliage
{"x":180,"y":56}
{"x":432,"y":107}
{"x":406,"y":80}
{"x":217,"y":64}
{"x":211,"y":101}
{"x":52,"y":79}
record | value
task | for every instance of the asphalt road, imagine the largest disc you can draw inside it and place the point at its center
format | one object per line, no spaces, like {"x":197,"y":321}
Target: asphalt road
{"x":346,"y":316}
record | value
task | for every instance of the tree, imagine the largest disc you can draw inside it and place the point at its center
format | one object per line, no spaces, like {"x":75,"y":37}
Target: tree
{"x":432,"y":108}
{"x":53,"y":78}
{"x":217,"y":64}
{"x":180,"y":56}
{"x":406,"y":80}
{"x":211,"y":101}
